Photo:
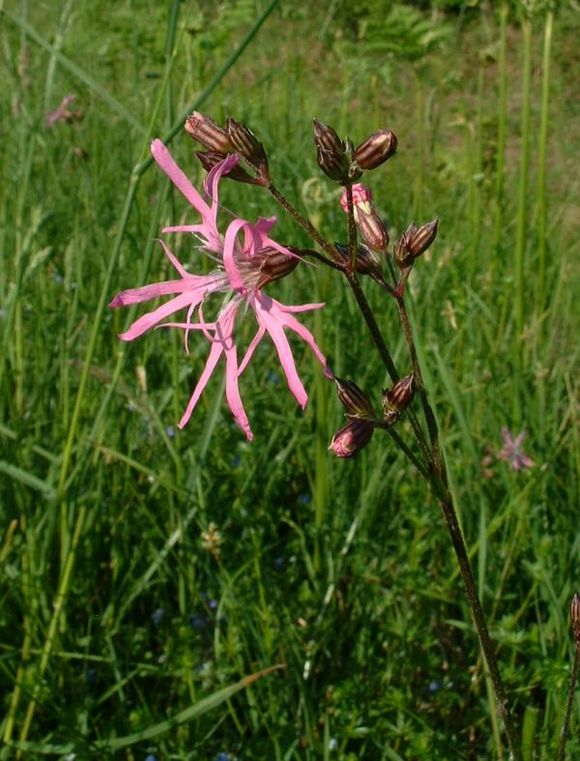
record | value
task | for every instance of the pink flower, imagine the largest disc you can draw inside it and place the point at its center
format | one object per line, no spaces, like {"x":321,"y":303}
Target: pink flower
{"x":512,"y":450}
{"x":62,"y":112}
{"x":247,"y":259}
{"x":361,"y":196}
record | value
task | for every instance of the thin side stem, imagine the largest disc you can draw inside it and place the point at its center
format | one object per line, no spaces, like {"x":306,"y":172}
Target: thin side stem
{"x":569,"y":702}
{"x":420,"y":384}
{"x":304,"y":223}
{"x":374,"y":329}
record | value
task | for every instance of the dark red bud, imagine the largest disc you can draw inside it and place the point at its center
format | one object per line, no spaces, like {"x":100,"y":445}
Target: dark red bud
{"x":575,"y":617}
{"x":421,"y":239}
{"x":208,"y":133}
{"x":352,"y":437}
{"x":354,"y":400}
{"x":333,"y":165}
{"x":371,"y":227}
{"x":376,"y":149}
{"x":367,"y":262}
{"x":247,"y":145}
{"x":208,"y":159}
{"x":398,"y":398}
{"x":326,"y":138}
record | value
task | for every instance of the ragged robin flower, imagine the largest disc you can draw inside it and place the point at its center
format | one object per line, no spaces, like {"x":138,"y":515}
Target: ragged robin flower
{"x":247,"y":259}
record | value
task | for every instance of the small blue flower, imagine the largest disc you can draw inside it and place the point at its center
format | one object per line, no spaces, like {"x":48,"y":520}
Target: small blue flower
{"x":151,"y":757}
{"x":198,"y":621}
{"x":170,"y":431}
{"x":304,"y":499}
{"x":434,"y":686}
{"x":223,"y":757}
{"x":157,"y":616}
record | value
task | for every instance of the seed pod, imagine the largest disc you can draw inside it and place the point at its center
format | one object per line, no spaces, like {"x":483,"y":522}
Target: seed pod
{"x":354,"y":400}
{"x":351,"y":438}
{"x":376,"y":149}
{"x":208,"y":133}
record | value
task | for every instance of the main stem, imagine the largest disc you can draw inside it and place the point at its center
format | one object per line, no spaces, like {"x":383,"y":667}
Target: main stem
{"x":446,"y":503}
{"x":441,"y":490}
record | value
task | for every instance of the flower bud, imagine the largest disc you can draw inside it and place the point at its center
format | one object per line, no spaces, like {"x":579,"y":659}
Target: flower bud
{"x":333,"y":165}
{"x":420,"y":240}
{"x":352,"y":437}
{"x":398,"y":398}
{"x":371,"y":227}
{"x":376,"y":149}
{"x":247,"y":145}
{"x":208,"y":133}
{"x":273,"y":264}
{"x":326,"y":138}
{"x":208,"y":159}
{"x":401,"y":252}
{"x":331,"y":152}
{"x":367,"y":262}
{"x":575,"y":617}
{"x":354,"y":400}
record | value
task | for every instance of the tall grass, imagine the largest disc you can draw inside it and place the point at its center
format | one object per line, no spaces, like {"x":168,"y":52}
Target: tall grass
{"x":340,"y":571}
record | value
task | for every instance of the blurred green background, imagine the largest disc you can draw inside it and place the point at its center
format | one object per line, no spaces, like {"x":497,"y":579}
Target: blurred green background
{"x":146,"y":571}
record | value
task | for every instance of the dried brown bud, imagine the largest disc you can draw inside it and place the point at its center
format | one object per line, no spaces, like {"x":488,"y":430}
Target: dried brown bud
{"x":575,"y":617}
{"x":247,"y":145}
{"x":376,"y":149}
{"x":420,"y":240}
{"x":354,"y":400}
{"x":352,"y":437}
{"x":208,"y":159}
{"x":208,"y":133}
{"x":398,"y":398}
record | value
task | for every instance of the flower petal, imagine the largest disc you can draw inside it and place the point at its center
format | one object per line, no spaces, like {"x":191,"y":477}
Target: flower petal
{"x":179,"y":179}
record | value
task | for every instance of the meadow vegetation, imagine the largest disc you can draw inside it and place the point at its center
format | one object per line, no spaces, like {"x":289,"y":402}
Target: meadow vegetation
{"x":147,"y":573}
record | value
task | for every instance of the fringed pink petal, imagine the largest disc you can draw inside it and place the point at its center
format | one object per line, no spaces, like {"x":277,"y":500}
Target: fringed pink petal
{"x":149,"y":320}
{"x":214,"y":355}
{"x":179,"y":179}
{"x":251,"y":349}
{"x":274,"y":327}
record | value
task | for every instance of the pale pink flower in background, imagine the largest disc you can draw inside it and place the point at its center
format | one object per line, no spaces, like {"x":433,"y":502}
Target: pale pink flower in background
{"x":62,"y":112}
{"x":513,"y":452}
{"x":361,"y":196}
{"x":247,"y":259}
